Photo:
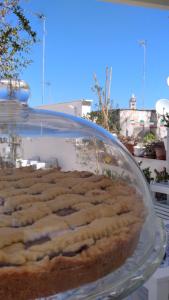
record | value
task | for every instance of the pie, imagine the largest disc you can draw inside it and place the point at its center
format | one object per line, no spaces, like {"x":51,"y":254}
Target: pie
{"x":60,"y":230}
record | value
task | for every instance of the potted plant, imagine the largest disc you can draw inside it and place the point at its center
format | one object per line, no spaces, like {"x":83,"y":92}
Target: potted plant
{"x":150,"y":151}
{"x":161,"y":176}
{"x":160,"y":150}
{"x":149,"y":145}
{"x":129,"y":143}
{"x":149,"y":137}
{"x":147,"y":173}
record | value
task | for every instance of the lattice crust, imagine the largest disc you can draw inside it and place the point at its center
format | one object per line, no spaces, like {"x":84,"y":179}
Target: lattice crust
{"x":60,"y":220}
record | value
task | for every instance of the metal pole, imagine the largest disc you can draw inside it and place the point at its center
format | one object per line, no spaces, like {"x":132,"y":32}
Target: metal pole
{"x":43,"y":19}
{"x":43,"y":58}
{"x":143,"y":43}
{"x":144,"y":73}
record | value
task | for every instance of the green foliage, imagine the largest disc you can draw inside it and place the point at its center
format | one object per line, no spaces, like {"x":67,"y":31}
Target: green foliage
{"x":16,"y":39}
{"x":149,"y":137}
{"x":113,"y":119}
{"x":150,"y":150}
{"x":161,"y":175}
{"x":147,"y":172}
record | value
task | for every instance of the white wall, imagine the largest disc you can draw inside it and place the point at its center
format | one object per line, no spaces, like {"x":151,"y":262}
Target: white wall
{"x":77,"y":108}
{"x":85,"y":110}
{"x":68,"y":108}
{"x":49,"y":148}
{"x":69,"y":158}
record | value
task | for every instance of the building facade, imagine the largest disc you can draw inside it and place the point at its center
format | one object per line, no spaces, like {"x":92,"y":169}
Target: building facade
{"x":132,"y":121}
{"x":137,"y":122}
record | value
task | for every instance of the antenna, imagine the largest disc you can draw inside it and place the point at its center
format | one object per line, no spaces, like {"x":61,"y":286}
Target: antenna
{"x":43,"y":19}
{"x":143,"y":43}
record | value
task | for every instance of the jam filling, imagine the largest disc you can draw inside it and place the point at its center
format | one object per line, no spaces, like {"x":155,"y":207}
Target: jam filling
{"x":9,"y":213}
{"x":38,"y":241}
{"x":15,"y":224}
{"x":53,"y":254}
{"x":2,"y":200}
{"x":78,"y":251}
{"x":65,"y":211}
{"x":2,"y":265}
{"x":124,"y":211}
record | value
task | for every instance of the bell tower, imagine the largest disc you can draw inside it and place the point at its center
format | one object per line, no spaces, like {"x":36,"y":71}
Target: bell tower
{"x":132,"y":102}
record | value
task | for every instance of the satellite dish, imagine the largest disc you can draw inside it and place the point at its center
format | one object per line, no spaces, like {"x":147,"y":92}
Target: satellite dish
{"x":167,"y":81}
{"x":162,"y":106}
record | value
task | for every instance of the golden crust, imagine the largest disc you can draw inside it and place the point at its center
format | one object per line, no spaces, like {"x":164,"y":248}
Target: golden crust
{"x":63,"y":273}
{"x":63,"y":230}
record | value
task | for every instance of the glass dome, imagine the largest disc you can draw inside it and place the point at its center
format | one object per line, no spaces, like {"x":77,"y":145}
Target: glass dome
{"x":76,"y":213}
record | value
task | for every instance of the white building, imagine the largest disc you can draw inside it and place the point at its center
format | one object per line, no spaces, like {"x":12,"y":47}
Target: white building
{"x":134,"y":122}
{"x":78,"y":107}
{"x":137,"y":122}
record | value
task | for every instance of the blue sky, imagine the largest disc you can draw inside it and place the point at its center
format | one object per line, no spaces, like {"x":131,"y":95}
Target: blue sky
{"x":85,"y":36}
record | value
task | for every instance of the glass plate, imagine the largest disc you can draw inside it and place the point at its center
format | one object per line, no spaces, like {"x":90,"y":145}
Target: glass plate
{"x":125,"y":280}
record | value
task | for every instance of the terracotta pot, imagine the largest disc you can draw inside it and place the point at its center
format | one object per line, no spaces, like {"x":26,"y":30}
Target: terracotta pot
{"x":160,"y":153}
{"x":130,"y":148}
